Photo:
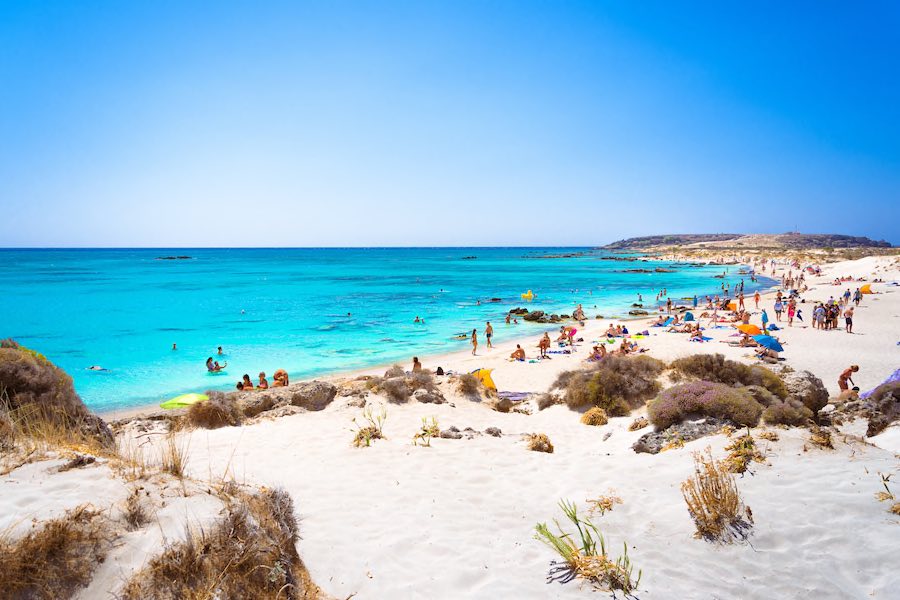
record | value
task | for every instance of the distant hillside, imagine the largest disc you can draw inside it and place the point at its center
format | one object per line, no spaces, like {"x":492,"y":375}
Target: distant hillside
{"x":791,"y":240}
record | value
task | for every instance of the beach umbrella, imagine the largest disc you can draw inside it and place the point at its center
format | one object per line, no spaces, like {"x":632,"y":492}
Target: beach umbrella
{"x":750,"y":329}
{"x":184,"y":400}
{"x":866,"y":289}
{"x":484,"y":375}
{"x":767,"y":341}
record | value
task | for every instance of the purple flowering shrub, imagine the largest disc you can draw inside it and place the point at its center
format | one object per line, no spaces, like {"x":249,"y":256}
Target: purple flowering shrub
{"x":703,"y":399}
{"x":715,"y":367}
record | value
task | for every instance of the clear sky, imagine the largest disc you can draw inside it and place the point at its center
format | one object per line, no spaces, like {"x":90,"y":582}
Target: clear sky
{"x":340,"y":123}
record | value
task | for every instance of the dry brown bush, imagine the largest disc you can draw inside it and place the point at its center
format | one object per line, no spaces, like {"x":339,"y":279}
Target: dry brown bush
{"x":250,"y":553}
{"x":820,"y":437}
{"x":54,"y":560}
{"x":218,"y":411}
{"x":617,"y":384}
{"x":539,"y":442}
{"x":546,"y":400}
{"x":638,"y":423}
{"x":714,"y":502}
{"x":741,"y":452}
{"x":395,"y":390}
{"x":394,"y":371}
{"x":595,"y":416}
{"x":135,"y":513}
{"x":469,"y":385}
{"x":174,"y":456}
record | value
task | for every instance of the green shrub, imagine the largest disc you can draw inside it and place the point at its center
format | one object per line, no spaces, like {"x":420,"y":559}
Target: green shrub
{"x":617,"y":384}
{"x":716,"y":368}
{"x":791,"y":412}
{"x":703,"y":399}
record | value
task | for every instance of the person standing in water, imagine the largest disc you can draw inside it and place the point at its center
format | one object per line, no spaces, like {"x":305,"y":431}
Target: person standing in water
{"x":474,"y":341}
{"x":489,"y":333}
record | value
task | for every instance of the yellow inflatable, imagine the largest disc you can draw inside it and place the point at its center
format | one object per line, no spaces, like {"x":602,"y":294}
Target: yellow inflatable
{"x":529,"y":296}
{"x":484,"y":375}
{"x":866,"y":289}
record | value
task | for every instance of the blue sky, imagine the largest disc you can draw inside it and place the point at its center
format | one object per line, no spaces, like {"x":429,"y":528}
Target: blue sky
{"x":458,"y":123}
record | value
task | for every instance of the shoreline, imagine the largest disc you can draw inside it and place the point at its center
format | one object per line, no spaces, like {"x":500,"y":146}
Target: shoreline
{"x":432,"y":361}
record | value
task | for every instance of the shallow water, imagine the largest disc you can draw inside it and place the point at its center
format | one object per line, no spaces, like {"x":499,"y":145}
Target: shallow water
{"x":309,"y":311}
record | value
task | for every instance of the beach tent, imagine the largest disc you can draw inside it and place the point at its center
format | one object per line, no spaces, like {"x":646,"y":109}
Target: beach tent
{"x":184,"y":400}
{"x":866,"y":289}
{"x":750,"y":329}
{"x":688,"y":316}
{"x":732,"y":306}
{"x":484,"y":375}
{"x":895,"y":376}
{"x":767,"y":341}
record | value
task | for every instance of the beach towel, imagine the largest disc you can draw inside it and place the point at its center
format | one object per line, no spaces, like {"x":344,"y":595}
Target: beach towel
{"x":704,"y":339}
{"x":559,"y":352}
{"x":514,"y":396}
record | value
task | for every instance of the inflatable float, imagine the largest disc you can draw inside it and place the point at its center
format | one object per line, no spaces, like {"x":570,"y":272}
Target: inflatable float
{"x":528,"y":296}
{"x":183,"y":401}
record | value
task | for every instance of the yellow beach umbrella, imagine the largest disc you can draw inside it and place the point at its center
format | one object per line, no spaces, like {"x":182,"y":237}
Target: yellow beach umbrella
{"x":750,"y":329}
{"x":866,"y":289}
{"x":484,"y":375}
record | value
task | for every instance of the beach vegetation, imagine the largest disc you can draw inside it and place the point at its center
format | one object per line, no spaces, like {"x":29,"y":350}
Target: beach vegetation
{"x":135,"y":512}
{"x":56,"y":558}
{"x":394,"y":371}
{"x":820,"y":437}
{"x":429,"y":429}
{"x":547,"y":400}
{"x":603,"y":504}
{"x":540,"y":442}
{"x":469,"y":385}
{"x":131,"y":459}
{"x":742,"y":451}
{"x":703,"y":399}
{"x":617,"y":384}
{"x":175,"y":455}
{"x":370,"y":427}
{"x":769,"y":436}
{"x":395,"y":390}
{"x":790,"y":412}
{"x":716,"y":368}
{"x":638,"y":423}
{"x":250,"y":553}
{"x":714,"y":502}
{"x":595,"y":416}
{"x":218,"y":411}
{"x":583,"y":553}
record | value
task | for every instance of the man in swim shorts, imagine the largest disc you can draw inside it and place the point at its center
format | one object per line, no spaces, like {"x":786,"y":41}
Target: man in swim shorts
{"x":848,"y":320}
{"x":489,"y":333}
{"x":846,"y":376}
{"x":518,"y":353}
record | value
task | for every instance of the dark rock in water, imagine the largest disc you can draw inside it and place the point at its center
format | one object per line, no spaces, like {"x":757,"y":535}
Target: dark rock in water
{"x":653,"y":442}
{"x":519,"y":311}
{"x":314,"y":395}
{"x":494,"y":431}
{"x":636,"y":305}
{"x":554,"y":318}
{"x":565,"y":316}
{"x":450,"y":434}
{"x":638,"y":312}
{"x":635,"y":271}
{"x":661,"y":270}
{"x":173,"y":257}
{"x":535,"y":315}
{"x":469,"y":257}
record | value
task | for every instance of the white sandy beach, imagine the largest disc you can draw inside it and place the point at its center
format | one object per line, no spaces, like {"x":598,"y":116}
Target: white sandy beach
{"x":456,"y":520}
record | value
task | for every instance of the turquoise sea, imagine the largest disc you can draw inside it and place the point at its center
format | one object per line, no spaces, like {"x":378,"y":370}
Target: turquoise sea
{"x":309,"y":311}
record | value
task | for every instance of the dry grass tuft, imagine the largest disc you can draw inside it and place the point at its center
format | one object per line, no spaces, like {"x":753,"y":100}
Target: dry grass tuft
{"x":430,"y":429}
{"x":603,"y":504}
{"x":250,"y":553}
{"x":820,"y":437}
{"x":218,"y":411}
{"x":595,"y":416}
{"x":131,"y":461}
{"x":136,"y":515}
{"x":469,"y":385}
{"x":56,"y":560}
{"x":586,"y":555}
{"x":895,"y":509}
{"x":770,"y":436}
{"x":714,"y":502}
{"x":174,"y":456}
{"x":638,"y":423}
{"x":742,"y":452}
{"x":371,"y":427}
{"x":539,"y":442}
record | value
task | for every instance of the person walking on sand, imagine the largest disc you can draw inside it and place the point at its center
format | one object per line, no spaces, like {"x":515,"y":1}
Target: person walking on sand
{"x":668,"y":306}
{"x":848,"y":320}
{"x":765,"y":320}
{"x":846,"y":376}
{"x":756,"y":299}
{"x":544,"y":345}
{"x":474,"y":341}
{"x":489,"y":333}
{"x":741,"y":301}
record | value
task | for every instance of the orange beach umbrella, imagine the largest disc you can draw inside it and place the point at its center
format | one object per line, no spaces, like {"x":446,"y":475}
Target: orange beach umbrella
{"x":866,"y":289}
{"x":750,"y":329}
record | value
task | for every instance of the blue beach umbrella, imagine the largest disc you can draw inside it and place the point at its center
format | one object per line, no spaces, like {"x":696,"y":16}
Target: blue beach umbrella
{"x":767,"y":341}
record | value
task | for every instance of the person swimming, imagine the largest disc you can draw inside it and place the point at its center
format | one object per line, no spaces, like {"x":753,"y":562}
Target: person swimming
{"x":214,"y":366}
{"x":96,"y":368}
